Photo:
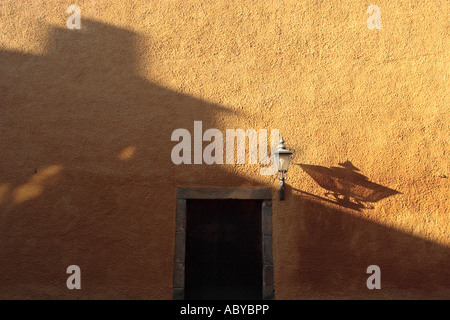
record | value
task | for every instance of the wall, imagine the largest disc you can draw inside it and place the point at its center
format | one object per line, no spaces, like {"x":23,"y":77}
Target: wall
{"x":86,"y":118}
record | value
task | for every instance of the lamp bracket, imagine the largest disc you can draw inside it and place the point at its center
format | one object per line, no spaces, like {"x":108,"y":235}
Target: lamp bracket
{"x":282,"y":175}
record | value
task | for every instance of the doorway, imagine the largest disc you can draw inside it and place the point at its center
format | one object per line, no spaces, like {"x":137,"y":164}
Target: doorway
{"x":223,"y":249}
{"x":223,"y":244}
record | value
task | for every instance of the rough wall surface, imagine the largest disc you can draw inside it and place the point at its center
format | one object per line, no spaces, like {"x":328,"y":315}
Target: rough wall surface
{"x":86,"y":118}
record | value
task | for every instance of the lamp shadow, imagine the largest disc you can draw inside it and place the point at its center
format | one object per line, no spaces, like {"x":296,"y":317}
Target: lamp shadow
{"x":337,"y":244}
{"x":346,"y":186}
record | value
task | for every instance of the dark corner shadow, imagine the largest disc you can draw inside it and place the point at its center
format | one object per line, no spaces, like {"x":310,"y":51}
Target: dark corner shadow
{"x":86,"y":154}
{"x":88,"y":82}
{"x":336,"y":246}
{"x":83,"y":103}
{"x":346,"y":187}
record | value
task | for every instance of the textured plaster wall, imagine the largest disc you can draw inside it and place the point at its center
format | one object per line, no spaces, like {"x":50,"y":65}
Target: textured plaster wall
{"x":86,"y":117}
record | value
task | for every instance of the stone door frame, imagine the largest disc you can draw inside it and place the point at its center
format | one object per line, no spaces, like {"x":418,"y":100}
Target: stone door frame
{"x":183,"y":194}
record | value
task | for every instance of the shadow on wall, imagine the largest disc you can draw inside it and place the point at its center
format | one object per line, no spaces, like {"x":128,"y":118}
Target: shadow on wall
{"x":335,"y":247}
{"x":86,"y":178}
{"x":86,"y":159}
{"x":346,"y":186}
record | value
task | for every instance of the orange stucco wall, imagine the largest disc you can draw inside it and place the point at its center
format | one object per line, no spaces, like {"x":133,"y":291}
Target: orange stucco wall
{"x":86,"y":118}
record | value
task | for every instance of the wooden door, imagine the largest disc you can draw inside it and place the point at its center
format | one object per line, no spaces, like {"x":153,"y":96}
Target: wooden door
{"x":223,"y":249}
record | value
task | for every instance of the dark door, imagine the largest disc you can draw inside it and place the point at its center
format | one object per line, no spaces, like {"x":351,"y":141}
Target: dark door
{"x":223,"y":249}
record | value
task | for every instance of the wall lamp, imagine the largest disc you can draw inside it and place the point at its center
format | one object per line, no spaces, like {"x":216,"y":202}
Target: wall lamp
{"x":282,"y":159}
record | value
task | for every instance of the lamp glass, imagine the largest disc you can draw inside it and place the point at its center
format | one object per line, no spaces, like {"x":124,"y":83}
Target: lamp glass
{"x":282,"y":160}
